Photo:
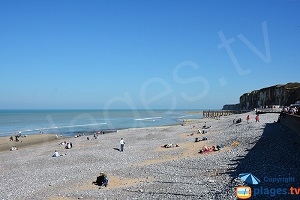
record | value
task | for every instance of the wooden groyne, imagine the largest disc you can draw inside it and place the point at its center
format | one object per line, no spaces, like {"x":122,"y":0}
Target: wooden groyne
{"x":220,"y":113}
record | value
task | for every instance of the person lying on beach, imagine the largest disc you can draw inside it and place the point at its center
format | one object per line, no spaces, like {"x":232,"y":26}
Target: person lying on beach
{"x":197,"y":139}
{"x":170,"y":145}
{"x":101,"y":180}
{"x":206,"y":149}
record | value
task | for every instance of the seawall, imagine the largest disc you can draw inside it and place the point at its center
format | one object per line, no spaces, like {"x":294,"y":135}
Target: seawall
{"x":292,"y":122}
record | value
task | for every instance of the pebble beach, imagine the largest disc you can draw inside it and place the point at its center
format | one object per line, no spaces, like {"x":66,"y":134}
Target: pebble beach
{"x":147,"y":170}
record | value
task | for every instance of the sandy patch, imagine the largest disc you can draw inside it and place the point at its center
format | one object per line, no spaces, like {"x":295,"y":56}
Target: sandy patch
{"x":188,"y":150}
{"x":114,"y":182}
{"x":30,"y":140}
{"x":60,"y":198}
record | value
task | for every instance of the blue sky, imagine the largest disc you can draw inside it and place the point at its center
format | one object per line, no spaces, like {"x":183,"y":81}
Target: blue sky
{"x":144,"y":54}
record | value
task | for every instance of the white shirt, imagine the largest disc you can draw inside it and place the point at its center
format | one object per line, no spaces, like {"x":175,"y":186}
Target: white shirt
{"x":56,"y":154}
{"x":122,"y":142}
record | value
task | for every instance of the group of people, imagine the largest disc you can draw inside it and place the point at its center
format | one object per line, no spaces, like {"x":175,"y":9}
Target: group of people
{"x":68,"y":145}
{"x":293,"y":110}
{"x":206,"y":149}
{"x":17,"y":136}
{"x":239,"y":120}
{"x":256,"y":118}
{"x":201,"y":132}
{"x":13,"y":148}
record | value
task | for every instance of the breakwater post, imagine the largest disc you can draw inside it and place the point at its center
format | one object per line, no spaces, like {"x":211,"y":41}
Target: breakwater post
{"x":220,"y":113}
{"x":216,"y":113}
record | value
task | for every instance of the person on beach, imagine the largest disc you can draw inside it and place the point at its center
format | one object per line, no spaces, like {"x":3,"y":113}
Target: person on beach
{"x":102,"y":180}
{"x":170,"y":145}
{"x":69,"y":145}
{"x":13,"y":148}
{"x":122,"y":145}
{"x":56,"y":154}
{"x":248,"y":118}
{"x":256,"y":118}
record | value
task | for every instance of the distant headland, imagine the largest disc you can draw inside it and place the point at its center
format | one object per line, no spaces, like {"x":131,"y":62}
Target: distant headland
{"x":273,"y":96}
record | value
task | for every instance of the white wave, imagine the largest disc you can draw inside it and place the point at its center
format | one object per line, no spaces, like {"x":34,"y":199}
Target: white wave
{"x":147,"y":119}
{"x":66,"y":126}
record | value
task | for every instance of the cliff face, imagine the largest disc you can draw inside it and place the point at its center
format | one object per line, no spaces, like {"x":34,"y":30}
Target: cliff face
{"x":282,"y":95}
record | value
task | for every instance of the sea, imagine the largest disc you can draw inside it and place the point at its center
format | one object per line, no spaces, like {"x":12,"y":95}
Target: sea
{"x":73,"y":122}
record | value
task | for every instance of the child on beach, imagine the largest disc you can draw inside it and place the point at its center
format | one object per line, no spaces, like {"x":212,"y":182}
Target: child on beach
{"x":248,"y":118}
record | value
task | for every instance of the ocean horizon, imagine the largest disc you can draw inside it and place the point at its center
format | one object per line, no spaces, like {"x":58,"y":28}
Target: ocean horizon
{"x":69,"y":122}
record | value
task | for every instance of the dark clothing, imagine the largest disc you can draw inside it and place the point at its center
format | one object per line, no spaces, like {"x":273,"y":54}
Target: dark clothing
{"x":101,"y":180}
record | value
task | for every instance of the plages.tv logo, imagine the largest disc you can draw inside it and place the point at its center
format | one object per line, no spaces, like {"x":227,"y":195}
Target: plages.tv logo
{"x":244,"y":192}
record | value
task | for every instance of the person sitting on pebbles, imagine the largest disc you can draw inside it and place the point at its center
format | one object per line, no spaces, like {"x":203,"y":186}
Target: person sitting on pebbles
{"x":56,"y":154}
{"x":102,"y":180}
{"x":13,"y":148}
{"x":69,"y":145}
{"x":171,"y":145}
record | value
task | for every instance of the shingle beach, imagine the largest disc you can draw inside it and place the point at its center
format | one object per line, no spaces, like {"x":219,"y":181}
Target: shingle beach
{"x":146,"y":170}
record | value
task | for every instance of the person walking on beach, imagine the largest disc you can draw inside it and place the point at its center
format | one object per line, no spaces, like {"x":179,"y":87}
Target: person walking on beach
{"x":122,"y":145}
{"x":256,"y":118}
{"x":248,"y":118}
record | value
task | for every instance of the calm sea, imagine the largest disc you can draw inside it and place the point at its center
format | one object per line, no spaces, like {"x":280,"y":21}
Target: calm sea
{"x":71,"y":122}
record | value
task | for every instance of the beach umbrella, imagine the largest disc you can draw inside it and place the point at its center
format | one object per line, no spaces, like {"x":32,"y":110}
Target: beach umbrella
{"x":249,"y":178}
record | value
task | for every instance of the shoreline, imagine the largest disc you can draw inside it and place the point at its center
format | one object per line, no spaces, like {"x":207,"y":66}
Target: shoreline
{"x":44,"y":138}
{"x":71,"y":122}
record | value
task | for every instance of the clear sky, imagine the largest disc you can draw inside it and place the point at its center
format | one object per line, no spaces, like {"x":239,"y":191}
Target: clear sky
{"x":58,"y":54}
